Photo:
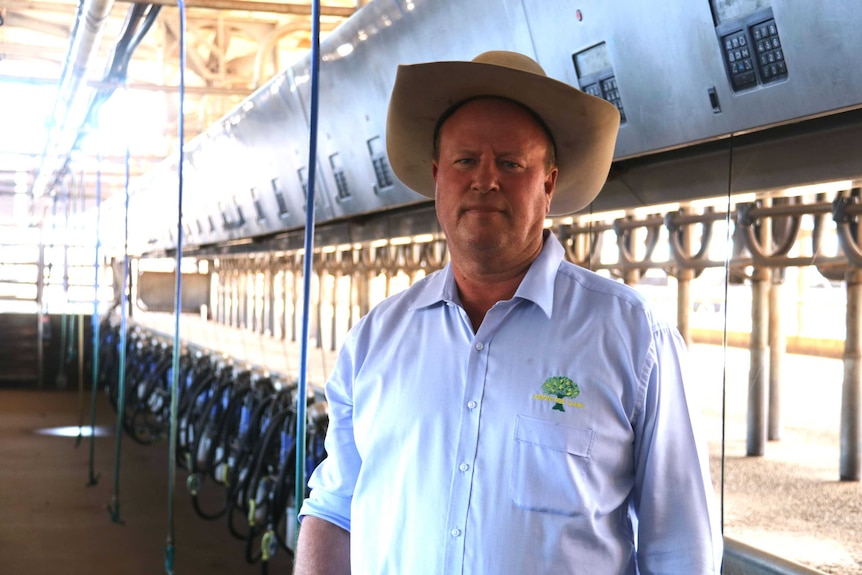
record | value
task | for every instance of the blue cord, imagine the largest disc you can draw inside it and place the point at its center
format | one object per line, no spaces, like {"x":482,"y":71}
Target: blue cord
{"x":308,"y":267}
{"x":94,"y":477}
{"x":175,"y":368}
{"x":121,"y":381}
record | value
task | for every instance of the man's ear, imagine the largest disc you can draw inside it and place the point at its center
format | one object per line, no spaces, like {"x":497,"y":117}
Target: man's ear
{"x":550,"y":188}
{"x":434,"y":170}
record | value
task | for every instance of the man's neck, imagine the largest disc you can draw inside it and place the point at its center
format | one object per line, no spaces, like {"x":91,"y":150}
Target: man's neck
{"x":479,"y":292}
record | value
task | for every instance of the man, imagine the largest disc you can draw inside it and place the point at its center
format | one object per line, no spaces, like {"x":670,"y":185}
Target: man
{"x":512,"y":413}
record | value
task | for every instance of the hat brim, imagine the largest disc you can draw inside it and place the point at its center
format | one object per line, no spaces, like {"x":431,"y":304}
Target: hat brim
{"x":584,"y":127}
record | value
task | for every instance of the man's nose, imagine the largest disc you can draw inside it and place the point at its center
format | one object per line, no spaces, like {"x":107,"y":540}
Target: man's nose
{"x":486,"y":178}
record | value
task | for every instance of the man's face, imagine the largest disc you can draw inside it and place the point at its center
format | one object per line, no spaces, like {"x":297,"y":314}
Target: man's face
{"x":493,"y":186}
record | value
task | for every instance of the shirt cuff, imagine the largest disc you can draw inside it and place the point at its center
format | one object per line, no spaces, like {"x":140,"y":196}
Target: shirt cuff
{"x":331,"y":508}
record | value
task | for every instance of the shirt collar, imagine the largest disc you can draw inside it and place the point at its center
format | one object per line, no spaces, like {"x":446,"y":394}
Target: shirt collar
{"x":537,"y":286}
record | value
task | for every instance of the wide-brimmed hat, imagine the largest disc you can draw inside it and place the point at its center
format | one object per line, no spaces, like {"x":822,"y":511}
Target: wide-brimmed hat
{"x":584,"y":128}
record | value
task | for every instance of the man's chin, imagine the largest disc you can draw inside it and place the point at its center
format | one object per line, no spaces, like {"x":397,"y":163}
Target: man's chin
{"x":482,"y":244}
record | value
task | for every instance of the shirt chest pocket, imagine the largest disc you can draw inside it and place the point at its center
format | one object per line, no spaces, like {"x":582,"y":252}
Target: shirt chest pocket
{"x":550,"y":466}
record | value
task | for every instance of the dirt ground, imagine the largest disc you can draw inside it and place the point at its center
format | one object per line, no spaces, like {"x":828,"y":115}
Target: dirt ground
{"x":790,"y":501}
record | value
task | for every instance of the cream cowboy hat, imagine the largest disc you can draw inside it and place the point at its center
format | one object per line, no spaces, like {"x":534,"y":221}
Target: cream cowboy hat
{"x":584,"y":127}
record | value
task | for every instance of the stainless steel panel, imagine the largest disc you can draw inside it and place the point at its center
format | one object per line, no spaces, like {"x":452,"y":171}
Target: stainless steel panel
{"x":665,"y":59}
{"x":359,"y":62}
{"x":826,"y":150}
{"x":153,"y":212}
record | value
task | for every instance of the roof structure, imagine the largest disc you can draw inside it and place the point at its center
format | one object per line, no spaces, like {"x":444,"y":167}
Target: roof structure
{"x":90,"y":91}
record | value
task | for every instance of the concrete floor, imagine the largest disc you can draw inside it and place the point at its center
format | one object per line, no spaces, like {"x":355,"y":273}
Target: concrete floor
{"x":53,"y":522}
{"x":788,"y":502}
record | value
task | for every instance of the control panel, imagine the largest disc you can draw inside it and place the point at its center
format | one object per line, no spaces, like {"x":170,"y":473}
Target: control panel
{"x":750,"y":43}
{"x":596,"y":75}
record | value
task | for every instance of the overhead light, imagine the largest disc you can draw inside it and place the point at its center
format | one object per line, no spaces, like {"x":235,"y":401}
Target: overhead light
{"x":819,"y":188}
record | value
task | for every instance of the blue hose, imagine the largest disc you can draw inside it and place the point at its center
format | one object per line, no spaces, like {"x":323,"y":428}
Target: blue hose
{"x":308,"y":266}
{"x":94,"y":478}
{"x":170,"y":550}
{"x":121,"y":380}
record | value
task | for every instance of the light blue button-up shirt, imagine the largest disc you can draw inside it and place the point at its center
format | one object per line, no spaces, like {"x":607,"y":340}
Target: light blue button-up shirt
{"x":558,"y":439}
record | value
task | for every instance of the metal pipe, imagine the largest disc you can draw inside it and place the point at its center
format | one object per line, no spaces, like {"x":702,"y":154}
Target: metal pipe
{"x":851,"y":391}
{"x":683,"y":290}
{"x":71,"y":106}
{"x":40,"y":316}
{"x":294,"y":307}
{"x":758,"y":374}
{"x":269,"y":324}
{"x":351,"y":299}
{"x":777,"y":350}
{"x":318,"y":310}
{"x":221,"y":298}
{"x":282,"y":317}
{"x":742,"y":559}
{"x":334,"y":300}
{"x":243,"y":300}
{"x":297,"y":9}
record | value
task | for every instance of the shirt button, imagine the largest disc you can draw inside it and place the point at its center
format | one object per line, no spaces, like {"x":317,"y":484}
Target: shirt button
{"x":471,"y":404}
{"x":480,"y":346}
{"x":463,"y":467}
{"x":456,"y":532}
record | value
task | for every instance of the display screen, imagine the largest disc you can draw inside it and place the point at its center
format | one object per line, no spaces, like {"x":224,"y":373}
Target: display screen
{"x":592,"y":60}
{"x":725,"y":10}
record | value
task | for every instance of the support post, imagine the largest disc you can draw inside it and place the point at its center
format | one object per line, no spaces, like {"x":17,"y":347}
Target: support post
{"x":282,"y":317}
{"x":777,"y":349}
{"x":851,"y":391}
{"x":234,"y":297}
{"x":351,"y":298}
{"x":364,"y":292}
{"x":243,"y":299}
{"x":318,"y":310}
{"x":758,"y":375}
{"x":269,"y":321}
{"x":683,"y":290}
{"x":294,"y":306}
{"x":253,"y":298}
{"x":336,"y":277}
{"x":220,"y":296}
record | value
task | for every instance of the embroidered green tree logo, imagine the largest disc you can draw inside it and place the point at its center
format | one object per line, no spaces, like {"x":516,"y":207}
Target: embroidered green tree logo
{"x":562,"y":387}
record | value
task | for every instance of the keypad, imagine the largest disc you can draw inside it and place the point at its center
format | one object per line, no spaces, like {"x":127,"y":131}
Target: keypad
{"x":612,"y":95}
{"x":770,"y":54}
{"x":739,"y":60}
{"x":607,"y":89}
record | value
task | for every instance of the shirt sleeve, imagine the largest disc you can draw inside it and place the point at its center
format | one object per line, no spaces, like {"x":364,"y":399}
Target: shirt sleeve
{"x":674,"y":500}
{"x":334,"y":480}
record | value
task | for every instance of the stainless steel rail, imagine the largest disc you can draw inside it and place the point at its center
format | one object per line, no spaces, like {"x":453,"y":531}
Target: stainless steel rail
{"x":742,"y":559}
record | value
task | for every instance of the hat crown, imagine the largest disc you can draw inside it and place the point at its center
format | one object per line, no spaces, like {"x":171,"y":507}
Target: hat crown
{"x":512,"y":60}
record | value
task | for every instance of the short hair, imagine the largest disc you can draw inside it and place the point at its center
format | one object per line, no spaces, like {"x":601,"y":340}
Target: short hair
{"x":550,"y":156}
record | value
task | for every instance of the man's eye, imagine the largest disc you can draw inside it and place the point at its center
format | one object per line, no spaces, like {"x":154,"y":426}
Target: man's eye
{"x":511,"y":165}
{"x":464,"y":161}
